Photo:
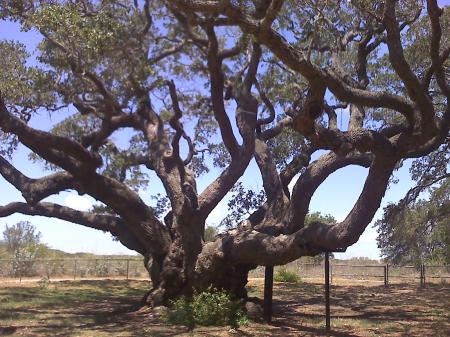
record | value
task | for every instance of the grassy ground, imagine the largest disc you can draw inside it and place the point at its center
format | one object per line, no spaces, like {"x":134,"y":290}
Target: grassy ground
{"x":105,"y":309}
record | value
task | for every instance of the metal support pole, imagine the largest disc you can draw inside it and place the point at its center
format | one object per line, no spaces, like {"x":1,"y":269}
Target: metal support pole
{"x":268,"y":290}
{"x":327,"y":292}
{"x":422,"y":275}
{"x":331,"y":274}
{"x":385,"y":276}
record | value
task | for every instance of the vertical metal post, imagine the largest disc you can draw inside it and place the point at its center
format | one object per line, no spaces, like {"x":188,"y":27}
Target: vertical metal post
{"x":331,"y":274}
{"x":422,"y":275}
{"x":268,"y":290}
{"x":327,"y":292}
{"x":385,"y":276}
{"x":128,"y":267}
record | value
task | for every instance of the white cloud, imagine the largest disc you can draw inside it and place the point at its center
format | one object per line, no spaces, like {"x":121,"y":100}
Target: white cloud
{"x":77,"y":202}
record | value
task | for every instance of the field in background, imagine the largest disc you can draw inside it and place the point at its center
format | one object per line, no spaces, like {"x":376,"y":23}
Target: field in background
{"x":73,"y":268}
{"x":344,"y":271}
{"x":133,"y":268}
{"x":106,"y":308}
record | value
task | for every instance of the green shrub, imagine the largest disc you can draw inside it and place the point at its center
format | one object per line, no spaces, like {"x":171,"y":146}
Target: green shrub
{"x":181,"y":312}
{"x":284,"y":275}
{"x":101,"y":269}
{"x":210,"y":307}
{"x":43,"y":283}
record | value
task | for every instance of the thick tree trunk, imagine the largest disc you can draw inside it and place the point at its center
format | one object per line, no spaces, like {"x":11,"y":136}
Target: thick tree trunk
{"x":176,"y":281}
{"x":175,"y":274}
{"x":225,"y":263}
{"x":182,"y":272}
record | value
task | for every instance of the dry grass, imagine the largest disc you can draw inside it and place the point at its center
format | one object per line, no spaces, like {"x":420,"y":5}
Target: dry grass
{"x":363,"y":310}
{"x":106,"y":309}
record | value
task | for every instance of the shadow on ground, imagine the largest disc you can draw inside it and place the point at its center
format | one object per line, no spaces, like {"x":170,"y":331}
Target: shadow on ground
{"x":399,"y":310}
{"x":108,"y":308}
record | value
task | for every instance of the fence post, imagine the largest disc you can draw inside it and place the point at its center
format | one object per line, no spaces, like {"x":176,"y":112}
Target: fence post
{"x":268,"y":289}
{"x":331,"y":274}
{"x":327,"y":292}
{"x":422,"y":275}
{"x":385,"y":276}
{"x":74,"y":269}
{"x":128,"y":267}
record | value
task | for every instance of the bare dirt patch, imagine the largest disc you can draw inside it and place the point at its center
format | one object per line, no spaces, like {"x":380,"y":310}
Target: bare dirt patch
{"x":108,"y":308}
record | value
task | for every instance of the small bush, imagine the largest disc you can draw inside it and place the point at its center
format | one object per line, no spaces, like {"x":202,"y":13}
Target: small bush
{"x":43,"y":283}
{"x":101,"y":269}
{"x":284,"y":275}
{"x":181,"y":313}
{"x":211,"y":307}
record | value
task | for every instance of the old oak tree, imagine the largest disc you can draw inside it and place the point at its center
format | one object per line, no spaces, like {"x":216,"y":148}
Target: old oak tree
{"x":177,"y":87}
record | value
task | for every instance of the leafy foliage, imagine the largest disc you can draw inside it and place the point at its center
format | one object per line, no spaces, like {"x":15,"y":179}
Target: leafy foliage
{"x":284,"y":147}
{"x":147,"y":85}
{"x":319,"y":217}
{"x":23,"y":88}
{"x":287,"y":276}
{"x":427,"y":169}
{"x":418,"y":232}
{"x":210,"y":233}
{"x":242,"y":203}
{"x":21,"y":235}
{"x":22,"y":241}
{"x":210,"y":307}
{"x":162,"y":205}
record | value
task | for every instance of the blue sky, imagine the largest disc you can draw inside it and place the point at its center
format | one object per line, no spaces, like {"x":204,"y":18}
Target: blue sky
{"x":336,"y":196}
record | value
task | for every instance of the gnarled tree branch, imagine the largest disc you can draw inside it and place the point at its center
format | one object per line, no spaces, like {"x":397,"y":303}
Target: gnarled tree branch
{"x":106,"y":223}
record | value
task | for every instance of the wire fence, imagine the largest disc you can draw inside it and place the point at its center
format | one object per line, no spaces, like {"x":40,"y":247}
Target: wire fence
{"x":66,"y":269}
{"x":133,"y":268}
{"x":382,"y":273}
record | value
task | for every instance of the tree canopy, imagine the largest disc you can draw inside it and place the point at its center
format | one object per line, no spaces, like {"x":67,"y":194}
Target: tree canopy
{"x":178,"y":87}
{"x":23,"y":246}
{"x":419,"y":231}
{"x":20,"y":236}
